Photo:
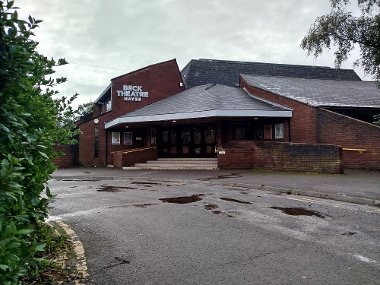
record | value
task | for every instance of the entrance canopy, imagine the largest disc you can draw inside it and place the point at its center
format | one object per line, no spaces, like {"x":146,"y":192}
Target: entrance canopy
{"x":205,"y":101}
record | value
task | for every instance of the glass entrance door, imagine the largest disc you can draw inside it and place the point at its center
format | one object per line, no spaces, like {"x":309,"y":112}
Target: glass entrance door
{"x":187,"y":141}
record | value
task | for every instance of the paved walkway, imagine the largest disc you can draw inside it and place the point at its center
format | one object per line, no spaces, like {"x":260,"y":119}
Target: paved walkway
{"x":361,"y":187}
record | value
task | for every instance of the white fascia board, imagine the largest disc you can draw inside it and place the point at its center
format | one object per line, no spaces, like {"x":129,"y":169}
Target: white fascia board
{"x":197,"y":115}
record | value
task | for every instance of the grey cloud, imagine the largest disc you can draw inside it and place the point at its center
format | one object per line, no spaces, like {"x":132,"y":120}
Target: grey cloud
{"x":131,"y":34}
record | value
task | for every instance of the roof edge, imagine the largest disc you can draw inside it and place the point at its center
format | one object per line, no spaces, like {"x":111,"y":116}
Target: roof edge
{"x":148,"y":66}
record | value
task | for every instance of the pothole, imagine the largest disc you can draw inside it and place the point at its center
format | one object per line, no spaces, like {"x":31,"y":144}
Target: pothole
{"x":211,"y":206}
{"x":299,"y":212}
{"x":217,"y":212}
{"x":183,"y":199}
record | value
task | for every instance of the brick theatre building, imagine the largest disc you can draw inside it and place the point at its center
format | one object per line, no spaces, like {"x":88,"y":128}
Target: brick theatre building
{"x":236,"y":114}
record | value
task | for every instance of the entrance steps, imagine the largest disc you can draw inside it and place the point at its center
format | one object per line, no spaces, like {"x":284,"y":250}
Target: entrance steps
{"x":177,"y":164}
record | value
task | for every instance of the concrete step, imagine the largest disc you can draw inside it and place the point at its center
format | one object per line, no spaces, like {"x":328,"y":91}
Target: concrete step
{"x":177,"y":164}
{"x":187,"y":165}
{"x":206,"y":162}
{"x":188,"y":159}
{"x":173,"y":167}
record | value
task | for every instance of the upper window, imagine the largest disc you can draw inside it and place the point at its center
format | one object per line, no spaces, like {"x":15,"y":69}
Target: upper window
{"x":109,"y":105}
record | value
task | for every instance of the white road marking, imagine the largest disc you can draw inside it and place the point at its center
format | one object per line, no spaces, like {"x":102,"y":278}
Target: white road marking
{"x":365,"y":259}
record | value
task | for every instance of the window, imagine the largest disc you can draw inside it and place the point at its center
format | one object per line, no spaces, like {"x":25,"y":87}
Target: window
{"x":96,"y":143}
{"x":210,"y":135}
{"x":165,"y":136}
{"x":153,"y":136}
{"x":115,"y":138}
{"x":109,"y":105}
{"x":240,"y":133}
{"x":279,"y":131}
{"x":267,"y":132}
{"x":128,"y":138}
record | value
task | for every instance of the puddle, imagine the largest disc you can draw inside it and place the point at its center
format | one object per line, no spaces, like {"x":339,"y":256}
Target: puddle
{"x":235,"y":200}
{"x":183,"y":199}
{"x":223,"y":176}
{"x":109,"y":188}
{"x":348,"y":233}
{"x":298,"y":212}
{"x":211,"y":206}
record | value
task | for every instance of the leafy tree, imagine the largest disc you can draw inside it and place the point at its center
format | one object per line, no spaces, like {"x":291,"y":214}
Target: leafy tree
{"x":344,"y":30}
{"x":84,"y":110}
{"x":29,"y":129}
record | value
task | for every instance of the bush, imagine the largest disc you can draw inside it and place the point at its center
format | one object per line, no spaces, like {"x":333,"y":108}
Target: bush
{"x":30,"y":126}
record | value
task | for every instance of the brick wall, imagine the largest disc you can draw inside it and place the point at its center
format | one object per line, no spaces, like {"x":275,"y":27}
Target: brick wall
{"x":121,"y":159}
{"x":303,"y":122}
{"x":351,"y":134}
{"x":69,"y":156}
{"x":160,"y":80}
{"x":281,"y":156}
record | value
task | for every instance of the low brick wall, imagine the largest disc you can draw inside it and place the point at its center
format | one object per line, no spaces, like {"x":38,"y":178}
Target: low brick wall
{"x":131,"y":157}
{"x":321,"y":158}
{"x":359,"y":140}
{"x":69,"y":157}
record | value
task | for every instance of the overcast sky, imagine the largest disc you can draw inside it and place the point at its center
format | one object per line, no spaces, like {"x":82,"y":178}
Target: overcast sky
{"x":123,"y":35}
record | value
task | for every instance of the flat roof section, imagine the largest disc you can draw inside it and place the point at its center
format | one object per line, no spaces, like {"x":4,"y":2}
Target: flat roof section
{"x":205,"y":101}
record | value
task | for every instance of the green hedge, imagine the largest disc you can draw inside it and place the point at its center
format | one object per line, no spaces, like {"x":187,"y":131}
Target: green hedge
{"x":30,"y":125}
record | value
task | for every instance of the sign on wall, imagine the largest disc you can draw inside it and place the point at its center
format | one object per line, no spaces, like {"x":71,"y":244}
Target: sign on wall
{"x":132,"y":93}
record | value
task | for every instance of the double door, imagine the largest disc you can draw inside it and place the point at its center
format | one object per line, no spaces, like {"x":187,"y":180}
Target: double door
{"x":187,"y":141}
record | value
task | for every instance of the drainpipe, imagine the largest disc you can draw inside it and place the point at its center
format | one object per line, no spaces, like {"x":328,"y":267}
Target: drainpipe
{"x":106,"y":147}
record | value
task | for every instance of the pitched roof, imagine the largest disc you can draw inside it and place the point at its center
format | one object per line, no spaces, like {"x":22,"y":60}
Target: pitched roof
{"x":204,"y":101}
{"x":205,"y":71}
{"x":323,"y":93}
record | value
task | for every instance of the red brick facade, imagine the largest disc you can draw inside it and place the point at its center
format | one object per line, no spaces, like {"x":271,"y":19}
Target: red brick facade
{"x":359,"y":140}
{"x":159,"y":80}
{"x":321,"y":158}
{"x":69,"y":156}
{"x":313,"y":131}
{"x":303,"y":121}
{"x":125,"y":158}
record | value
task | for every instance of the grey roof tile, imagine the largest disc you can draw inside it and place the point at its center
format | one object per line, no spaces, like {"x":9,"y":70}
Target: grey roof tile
{"x":205,"y":71}
{"x":205,"y":98}
{"x":317,"y":92}
{"x":206,"y":101}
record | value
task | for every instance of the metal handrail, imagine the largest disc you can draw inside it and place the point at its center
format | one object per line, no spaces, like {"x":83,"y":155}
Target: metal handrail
{"x":138,"y":149}
{"x":361,"y":150}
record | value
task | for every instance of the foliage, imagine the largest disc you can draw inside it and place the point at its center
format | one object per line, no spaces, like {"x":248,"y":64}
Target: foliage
{"x":29,"y":129}
{"x":344,"y":30}
{"x":376,"y":119}
{"x":84,"y":110}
